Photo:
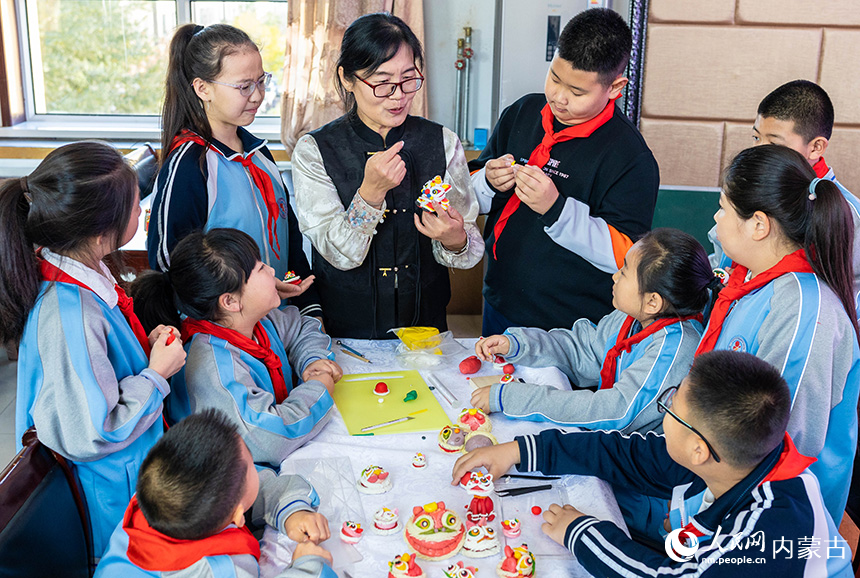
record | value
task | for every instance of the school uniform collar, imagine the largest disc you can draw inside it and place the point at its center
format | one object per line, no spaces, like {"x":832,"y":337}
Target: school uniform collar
{"x":102,"y":285}
{"x":374,"y":138}
{"x":783,"y":463}
{"x":250,"y":143}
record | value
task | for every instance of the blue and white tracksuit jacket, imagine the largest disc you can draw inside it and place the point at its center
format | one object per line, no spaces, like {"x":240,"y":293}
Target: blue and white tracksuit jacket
{"x":654,"y":364}
{"x":84,"y":382}
{"x":222,"y":376}
{"x":223,"y":194}
{"x":798,"y":325}
{"x":720,"y":259}
{"x":743,"y":533}
{"x":279,"y":498}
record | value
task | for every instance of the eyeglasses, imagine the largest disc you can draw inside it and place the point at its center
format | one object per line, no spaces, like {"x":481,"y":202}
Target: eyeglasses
{"x":664,"y":402}
{"x":248,"y":88}
{"x":386,"y":89}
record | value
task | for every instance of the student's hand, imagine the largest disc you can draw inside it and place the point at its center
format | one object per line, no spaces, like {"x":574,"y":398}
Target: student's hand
{"x":558,"y":518}
{"x":445,"y":226}
{"x":306,"y":526}
{"x":481,"y":399}
{"x":323,"y":366}
{"x":165,"y":359}
{"x":382,"y":172}
{"x":495,"y":459}
{"x":288,"y":290}
{"x":488,"y":347}
{"x":311,"y":549}
{"x":156,"y":333}
{"x":500,"y":172}
{"x":535,"y":189}
{"x":322,"y":375}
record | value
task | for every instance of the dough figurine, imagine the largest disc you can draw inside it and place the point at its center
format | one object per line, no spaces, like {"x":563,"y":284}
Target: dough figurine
{"x":434,"y":190}
{"x":479,"y":439}
{"x":459,"y":570}
{"x":518,"y":563}
{"x":434,"y":532}
{"x":404,"y":566}
{"x":373,"y":480}
{"x":481,"y":541}
{"x":386,"y":521}
{"x":479,"y":486}
{"x":419,"y":461}
{"x":291,"y":278}
{"x":451,"y":439}
{"x":511,"y":528}
{"x":473,"y":419}
{"x":351,"y":532}
{"x":499,"y":362}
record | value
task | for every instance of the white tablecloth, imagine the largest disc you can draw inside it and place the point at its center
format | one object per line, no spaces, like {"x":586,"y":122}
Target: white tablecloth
{"x":338,"y":458}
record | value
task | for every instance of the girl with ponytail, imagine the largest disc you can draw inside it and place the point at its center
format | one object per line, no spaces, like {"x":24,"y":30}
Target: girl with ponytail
{"x":620,"y":366}
{"x":789,"y":300}
{"x":90,"y":378}
{"x":214,"y":173}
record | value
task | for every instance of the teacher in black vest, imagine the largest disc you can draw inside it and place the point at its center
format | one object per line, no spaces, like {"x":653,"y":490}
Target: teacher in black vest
{"x":380,"y":260}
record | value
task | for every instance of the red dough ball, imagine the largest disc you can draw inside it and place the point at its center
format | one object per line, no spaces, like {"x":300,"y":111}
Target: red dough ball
{"x":381,"y":388}
{"x":470,"y":365}
{"x":536,"y":510}
{"x":508,"y":369}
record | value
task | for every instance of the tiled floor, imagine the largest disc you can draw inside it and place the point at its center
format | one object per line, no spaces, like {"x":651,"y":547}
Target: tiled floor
{"x":460,"y":326}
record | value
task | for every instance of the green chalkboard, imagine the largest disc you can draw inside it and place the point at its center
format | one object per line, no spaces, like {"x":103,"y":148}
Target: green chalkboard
{"x":690,"y":209}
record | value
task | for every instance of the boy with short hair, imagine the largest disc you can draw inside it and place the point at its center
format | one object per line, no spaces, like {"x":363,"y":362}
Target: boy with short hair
{"x":567,"y":182}
{"x":724,"y":437}
{"x":187,"y":518}
{"x":799,"y":115}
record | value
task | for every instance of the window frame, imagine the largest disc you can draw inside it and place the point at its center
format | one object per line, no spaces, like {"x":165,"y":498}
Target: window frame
{"x":122,"y":128}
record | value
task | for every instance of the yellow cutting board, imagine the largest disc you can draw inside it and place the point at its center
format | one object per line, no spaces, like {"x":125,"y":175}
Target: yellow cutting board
{"x":360,"y":407}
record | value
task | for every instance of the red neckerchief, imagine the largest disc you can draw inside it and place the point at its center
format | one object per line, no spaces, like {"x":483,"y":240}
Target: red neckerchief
{"x":155,"y":552}
{"x":126,"y":305}
{"x":624,"y":343}
{"x":540,"y":155}
{"x":259,"y":349}
{"x":736,"y":288}
{"x":260,"y":177}
{"x":820,"y":167}
{"x":791,"y":463}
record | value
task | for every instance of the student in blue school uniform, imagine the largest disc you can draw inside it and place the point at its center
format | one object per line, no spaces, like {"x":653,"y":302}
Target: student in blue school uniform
{"x":188,"y":517}
{"x":214,"y":173}
{"x":799,"y":115}
{"x":89,"y":378}
{"x":567,"y":182}
{"x":242,"y":349}
{"x":789,"y":300}
{"x":724,"y":437}
{"x":643,"y":347}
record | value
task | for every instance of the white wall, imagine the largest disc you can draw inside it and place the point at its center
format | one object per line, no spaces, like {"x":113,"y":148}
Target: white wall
{"x":443,"y":24}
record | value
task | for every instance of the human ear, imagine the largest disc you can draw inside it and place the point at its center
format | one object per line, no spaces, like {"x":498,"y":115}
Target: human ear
{"x":617,"y":86}
{"x":230,"y":302}
{"x":238,"y":516}
{"x":816,"y":147}
{"x":201,"y":89}
{"x":347,"y":84}
{"x":761,"y":226}
{"x":699,"y":452}
{"x":653,"y":303}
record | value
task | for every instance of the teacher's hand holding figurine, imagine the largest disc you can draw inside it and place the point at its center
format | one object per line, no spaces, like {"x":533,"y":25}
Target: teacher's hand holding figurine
{"x":382,"y":172}
{"x":445,"y":226}
{"x":501,"y":172}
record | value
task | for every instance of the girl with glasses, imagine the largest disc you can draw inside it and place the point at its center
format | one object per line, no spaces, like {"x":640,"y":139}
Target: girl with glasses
{"x":789,"y":300}
{"x":214,"y":173}
{"x":620,"y":366}
{"x":381,"y":262}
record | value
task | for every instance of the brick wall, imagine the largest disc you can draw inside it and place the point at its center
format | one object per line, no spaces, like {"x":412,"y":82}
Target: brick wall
{"x":709,"y":62}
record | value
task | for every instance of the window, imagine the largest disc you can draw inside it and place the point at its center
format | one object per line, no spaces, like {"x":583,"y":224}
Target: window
{"x":109,"y":57}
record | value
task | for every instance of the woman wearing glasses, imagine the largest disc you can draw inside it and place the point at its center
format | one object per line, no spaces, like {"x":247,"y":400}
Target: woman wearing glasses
{"x":381,"y":262}
{"x":214,"y":173}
